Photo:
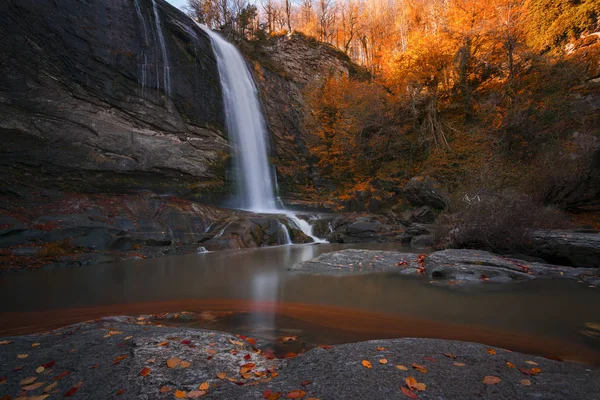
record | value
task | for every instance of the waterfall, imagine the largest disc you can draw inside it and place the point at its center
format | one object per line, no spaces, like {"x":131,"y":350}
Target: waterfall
{"x":144,"y":64}
{"x":248,"y":132}
{"x":285,"y":232}
{"x":163,"y":48}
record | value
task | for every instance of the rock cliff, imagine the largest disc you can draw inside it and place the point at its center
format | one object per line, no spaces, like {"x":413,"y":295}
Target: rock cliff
{"x":108,"y":95}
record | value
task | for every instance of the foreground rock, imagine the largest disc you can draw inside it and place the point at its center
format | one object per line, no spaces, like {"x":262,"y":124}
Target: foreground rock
{"x":577,"y":248}
{"x":447,"y":266}
{"x":124,"y":357}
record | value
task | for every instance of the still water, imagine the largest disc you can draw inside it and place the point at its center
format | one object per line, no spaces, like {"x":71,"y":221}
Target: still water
{"x":264,"y":299}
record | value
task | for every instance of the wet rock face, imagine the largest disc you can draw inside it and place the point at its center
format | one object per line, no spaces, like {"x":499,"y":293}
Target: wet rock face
{"x":90,"y":102}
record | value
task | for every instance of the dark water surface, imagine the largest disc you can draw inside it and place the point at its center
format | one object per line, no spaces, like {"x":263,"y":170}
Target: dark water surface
{"x":545,"y":317}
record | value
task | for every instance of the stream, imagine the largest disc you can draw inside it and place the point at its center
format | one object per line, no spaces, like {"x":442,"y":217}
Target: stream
{"x":251,"y":292}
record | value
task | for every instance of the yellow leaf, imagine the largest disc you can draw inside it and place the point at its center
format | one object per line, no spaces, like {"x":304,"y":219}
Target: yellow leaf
{"x":531,"y":363}
{"x":173,"y":362}
{"x":184,"y":364}
{"x":491,"y":351}
{"x":401,"y":367}
{"x":39,"y":370}
{"x":204,"y":386}
{"x":236,"y":342}
{"x":23,"y":356}
{"x":33,"y":386}
{"x":459,"y":364}
{"x":525,"y":382}
{"x":39,"y":397}
{"x":366,"y":364}
{"x":180,"y":394}
{"x":221,"y":375}
{"x":112,"y":333}
{"x":27,"y":381}
{"x":3,"y":342}
{"x":491,"y":380}
{"x":510,"y":365}
{"x":383,"y":361}
{"x":35,"y":344}
{"x":50,"y":387}
{"x":420,"y":387}
{"x":128,"y":337}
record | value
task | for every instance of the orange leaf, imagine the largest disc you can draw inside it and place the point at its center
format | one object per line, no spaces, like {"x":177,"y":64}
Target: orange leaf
{"x":296,"y":394}
{"x":273,"y":395}
{"x":120,"y":392}
{"x":221,"y":375}
{"x":119,"y":359}
{"x":185,"y":364}
{"x":383,"y":361}
{"x":450,"y":355}
{"x":163,"y":344}
{"x":536,"y":370}
{"x":420,"y":368}
{"x":173,"y":362}
{"x":195,"y":394}
{"x":411,"y":382}
{"x":204,"y":386}
{"x":28,"y":381}
{"x":165,"y":389}
{"x":409,"y":393}
{"x":491,"y":380}
{"x":459,"y":364}
{"x":525,"y":382}
{"x":380,"y":348}
{"x":180,"y":394}
{"x":145,"y":372}
{"x":366,"y":364}
{"x":491,"y":351}
{"x":401,"y":367}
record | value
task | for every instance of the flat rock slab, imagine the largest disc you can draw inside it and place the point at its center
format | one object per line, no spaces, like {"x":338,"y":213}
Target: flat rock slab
{"x":455,"y":266}
{"x":358,"y":262}
{"x":108,"y":359}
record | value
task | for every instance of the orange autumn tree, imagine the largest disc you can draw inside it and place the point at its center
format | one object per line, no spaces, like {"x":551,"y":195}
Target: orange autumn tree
{"x":343,"y":115}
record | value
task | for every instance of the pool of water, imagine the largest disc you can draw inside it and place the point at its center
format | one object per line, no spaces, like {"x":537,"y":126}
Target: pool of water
{"x":255,"y":294}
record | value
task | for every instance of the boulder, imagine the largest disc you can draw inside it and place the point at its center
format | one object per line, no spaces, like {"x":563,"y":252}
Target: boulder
{"x":421,"y":215}
{"x":576,"y":248}
{"x":425,"y":191}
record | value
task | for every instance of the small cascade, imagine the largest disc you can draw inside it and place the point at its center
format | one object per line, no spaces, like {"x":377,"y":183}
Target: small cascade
{"x":285,"y":232}
{"x":144,"y":64}
{"x":163,"y":48}
{"x":305,"y":227}
{"x":201,"y":249}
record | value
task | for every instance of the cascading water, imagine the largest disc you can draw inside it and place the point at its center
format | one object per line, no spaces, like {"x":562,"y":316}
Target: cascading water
{"x":285,"y":232}
{"x":163,"y":48}
{"x":248,"y":132}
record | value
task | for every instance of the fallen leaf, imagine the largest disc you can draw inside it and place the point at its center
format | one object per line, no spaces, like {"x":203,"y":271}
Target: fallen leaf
{"x":402,"y":367}
{"x":39,"y":370}
{"x":112,"y":333}
{"x":61,"y":375}
{"x":71,"y":391}
{"x":38,"y":397}
{"x":204,"y":386}
{"x":536,"y":370}
{"x":450,"y":355}
{"x":211,"y":351}
{"x":491,"y":351}
{"x":366,"y":364}
{"x":491,"y":380}
{"x":531,"y":363}
{"x":305,"y":383}
{"x":165,"y":389}
{"x":145,"y":372}
{"x":532,"y":371}
{"x":185,"y":364}
{"x":50,"y":387}
{"x":381,"y":348}
{"x":383,"y":361}
{"x":221,"y":375}
{"x":33,"y":386}
{"x":510,"y":365}
{"x":236,"y":342}
{"x":36,"y":344}
{"x":18,"y":368}
{"x":28,"y":380}
{"x":247,"y":368}
{"x":409,"y":393}
{"x":120,"y":392}
{"x":151,"y":360}
{"x":163,"y":344}
{"x":180,"y":394}
{"x":247,"y":357}
{"x":120,"y":358}
{"x":128,"y":337}
{"x":288,"y":338}
{"x":5,"y":342}
{"x":251,"y":341}
{"x":195,"y":394}
{"x":429,"y":359}
{"x":22,"y":356}
{"x":49,"y":364}
{"x":411,"y":382}
{"x":2,"y":380}
{"x":274,"y":396}
{"x":173,"y":362}
{"x":420,"y":368}
{"x":296,"y":394}
{"x":459,"y":364}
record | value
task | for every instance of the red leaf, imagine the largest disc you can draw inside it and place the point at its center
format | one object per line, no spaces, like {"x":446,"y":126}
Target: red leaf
{"x":251,"y":341}
{"x":49,"y":364}
{"x":305,"y":383}
{"x":247,"y":357}
{"x":186,"y":342}
{"x":429,"y":359}
{"x":409,"y":393}
{"x":120,"y":392}
{"x":71,"y":391}
{"x":267,"y":393}
{"x":145,"y":372}
{"x":61,"y":375}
